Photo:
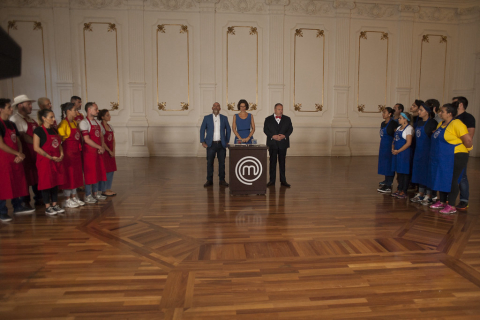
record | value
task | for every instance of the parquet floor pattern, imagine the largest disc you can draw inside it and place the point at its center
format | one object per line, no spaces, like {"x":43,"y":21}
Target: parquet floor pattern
{"x":330,"y":247}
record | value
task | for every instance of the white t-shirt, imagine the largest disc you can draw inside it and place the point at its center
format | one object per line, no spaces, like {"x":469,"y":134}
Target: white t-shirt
{"x":85,"y":126}
{"x":408,"y":131}
{"x":21,"y":122}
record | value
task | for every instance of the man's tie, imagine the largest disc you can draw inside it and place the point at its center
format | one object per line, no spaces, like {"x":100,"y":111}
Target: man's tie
{"x":278,"y":117}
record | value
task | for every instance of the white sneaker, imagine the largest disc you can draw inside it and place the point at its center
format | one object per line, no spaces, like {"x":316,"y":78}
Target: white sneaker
{"x":417,"y":198}
{"x":100,"y":197}
{"x":77,"y":201}
{"x":427,"y":201}
{"x":71,"y":204}
{"x":90,"y":199}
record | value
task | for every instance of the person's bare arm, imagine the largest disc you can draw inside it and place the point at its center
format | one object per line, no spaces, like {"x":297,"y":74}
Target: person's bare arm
{"x":467,"y":140}
{"x":25,"y":137}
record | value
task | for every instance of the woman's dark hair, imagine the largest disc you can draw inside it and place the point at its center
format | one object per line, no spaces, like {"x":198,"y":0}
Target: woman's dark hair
{"x":102,"y":114}
{"x":42,"y":113}
{"x":3,"y":102}
{"x":431,"y":114}
{"x":451,"y":108}
{"x":88,"y":105}
{"x":390,"y":111}
{"x":65,"y":107}
{"x":418,"y":103}
{"x":242,"y":101}
{"x":400,"y":107}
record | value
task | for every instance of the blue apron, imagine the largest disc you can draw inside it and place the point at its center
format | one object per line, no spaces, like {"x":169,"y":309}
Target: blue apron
{"x":442,"y":157}
{"x":401,"y":161}
{"x":422,"y":156}
{"x":385,"y":154}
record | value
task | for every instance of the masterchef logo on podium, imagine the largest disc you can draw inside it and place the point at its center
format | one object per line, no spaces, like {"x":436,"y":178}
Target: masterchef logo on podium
{"x":248,"y":170}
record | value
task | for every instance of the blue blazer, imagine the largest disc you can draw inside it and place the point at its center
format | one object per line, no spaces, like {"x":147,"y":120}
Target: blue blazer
{"x":208,"y":125}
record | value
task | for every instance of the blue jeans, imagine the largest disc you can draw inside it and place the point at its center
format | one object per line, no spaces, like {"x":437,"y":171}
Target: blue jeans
{"x":464,"y":188}
{"x":89,"y":188}
{"x":106,"y":185}
{"x":16,"y":203}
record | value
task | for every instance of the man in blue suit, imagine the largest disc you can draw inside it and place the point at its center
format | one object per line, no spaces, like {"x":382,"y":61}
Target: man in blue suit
{"x":216,"y":142}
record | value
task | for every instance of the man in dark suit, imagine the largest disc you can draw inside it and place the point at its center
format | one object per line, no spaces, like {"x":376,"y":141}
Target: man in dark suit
{"x":216,"y":142}
{"x":278,"y":129}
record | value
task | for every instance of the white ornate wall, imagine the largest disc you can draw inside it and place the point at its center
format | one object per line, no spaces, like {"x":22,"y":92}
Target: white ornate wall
{"x":160,"y":64}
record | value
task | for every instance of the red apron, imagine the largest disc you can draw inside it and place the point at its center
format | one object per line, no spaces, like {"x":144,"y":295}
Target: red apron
{"x":12,"y":176}
{"x":30,"y":156}
{"x":93,"y":166}
{"x":72,"y":160}
{"x":110,"y":162}
{"x":79,"y":118}
{"x":50,"y":173}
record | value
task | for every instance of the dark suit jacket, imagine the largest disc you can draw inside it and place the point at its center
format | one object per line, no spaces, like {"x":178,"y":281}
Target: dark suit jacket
{"x":208,"y":126}
{"x":271,"y":128}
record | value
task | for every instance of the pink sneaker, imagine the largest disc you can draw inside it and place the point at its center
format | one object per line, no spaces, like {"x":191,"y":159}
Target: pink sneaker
{"x":437,"y":205}
{"x":448,"y":209}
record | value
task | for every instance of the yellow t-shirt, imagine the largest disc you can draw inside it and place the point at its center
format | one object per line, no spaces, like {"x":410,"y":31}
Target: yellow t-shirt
{"x":64,"y":129}
{"x":454,"y":131}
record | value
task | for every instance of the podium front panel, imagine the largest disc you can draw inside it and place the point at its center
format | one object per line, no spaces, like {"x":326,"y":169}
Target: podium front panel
{"x":248,"y":169}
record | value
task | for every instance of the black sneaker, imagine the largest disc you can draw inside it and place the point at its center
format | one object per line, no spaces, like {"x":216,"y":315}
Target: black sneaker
{"x":58,"y":209}
{"x":5,"y":217}
{"x":381,"y":183}
{"x":24,"y":209}
{"x":385,"y":189}
{"x":50,"y":211}
{"x":462,"y":206}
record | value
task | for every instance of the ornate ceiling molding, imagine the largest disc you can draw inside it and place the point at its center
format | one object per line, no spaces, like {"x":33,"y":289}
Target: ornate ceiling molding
{"x":97,"y":4}
{"x":436,"y":14}
{"x":241,"y":6}
{"x":171,"y":5}
{"x":375,"y":10}
{"x":310,"y":7}
{"x":26,"y":3}
{"x":341,"y":4}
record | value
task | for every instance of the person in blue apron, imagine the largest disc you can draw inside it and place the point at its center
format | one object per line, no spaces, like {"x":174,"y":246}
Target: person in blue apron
{"x":423,"y":131}
{"x":448,"y":157}
{"x":414,"y":108}
{"x":401,"y":154}
{"x":387,"y":131}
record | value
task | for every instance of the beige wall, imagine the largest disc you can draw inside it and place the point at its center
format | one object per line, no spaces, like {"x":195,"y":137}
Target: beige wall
{"x":331,"y":63}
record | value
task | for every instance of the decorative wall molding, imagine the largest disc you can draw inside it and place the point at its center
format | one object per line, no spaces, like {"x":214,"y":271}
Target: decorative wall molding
{"x":310,"y":7}
{"x":111,"y":27}
{"x":340,"y":4}
{"x":26,"y":3}
{"x":183,"y":29}
{"x":36,"y":26}
{"x":253,"y":6}
{"x":299,"y":34}
{"x":426,"y":39}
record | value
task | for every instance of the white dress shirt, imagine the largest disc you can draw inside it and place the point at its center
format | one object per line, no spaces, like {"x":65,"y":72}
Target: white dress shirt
{"x":278,"y":120}
{"x":216,"y":127}
{"x":21,"y":122}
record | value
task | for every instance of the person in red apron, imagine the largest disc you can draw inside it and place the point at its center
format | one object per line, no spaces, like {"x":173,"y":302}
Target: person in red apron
{"x":12,"y":176}
{"x":51,"y":174}
{"x":109,"y":154}
{"x":45,"y":103}
{"x":26,"y":126}
{"x":93,"y":149}
{"x":72,"y":149}
{"x":448,"y":158}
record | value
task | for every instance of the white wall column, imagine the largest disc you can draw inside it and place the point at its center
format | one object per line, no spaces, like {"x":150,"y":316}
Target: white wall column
{"x":340,"y":123}
{"x":63,"y":54}
{"x":137,"y":123}
{"x":403,"y":90}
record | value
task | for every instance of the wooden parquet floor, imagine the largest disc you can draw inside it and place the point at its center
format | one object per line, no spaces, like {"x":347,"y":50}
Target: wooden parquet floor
{"x":330,"y":247}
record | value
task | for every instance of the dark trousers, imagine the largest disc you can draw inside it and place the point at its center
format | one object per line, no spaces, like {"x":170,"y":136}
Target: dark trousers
{"x":403,"y":180}
{"x":48,"y":194}
{"x":459,"y":164}
{"x":16,"y":203}
{"x":279,"y":154}
{"x":464,"y":187}
{"x":37,"y":195}
{"x":218,"y":150}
